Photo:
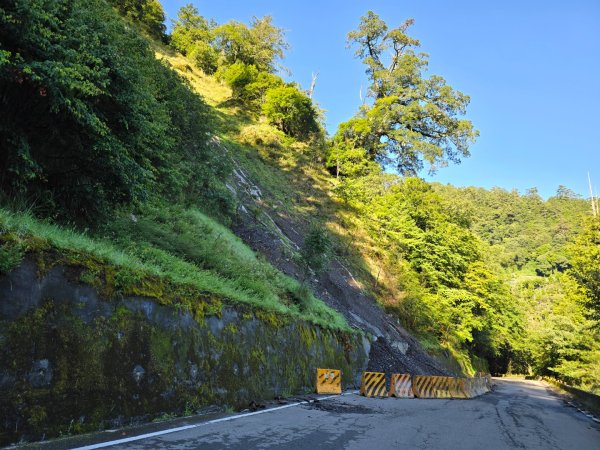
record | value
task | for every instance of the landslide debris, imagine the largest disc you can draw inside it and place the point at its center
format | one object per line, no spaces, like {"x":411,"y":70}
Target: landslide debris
{"x":276,"y":233}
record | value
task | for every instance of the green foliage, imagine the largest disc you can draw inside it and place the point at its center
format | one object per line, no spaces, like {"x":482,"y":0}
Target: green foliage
{"x":148,"y":13}
{"x":544,"y":324}
{"x":10,"y":257}
{"x":173,"y":255}
{"x":211,"y":46}
{"x":258,"y":87}
{"x":561,"y":341}
{"x":194,"y":169}
{"x":407,"y":218}
{"x":346,"y":155}
{"x":90,"y":118}
{"x":238,"y":76}
{"x":316,"y":250}
{"x":412,"y":119}
{"x":193,"y":35}
{"x":524,"y":232}
{"x":259,"y":45}
{"x":291,"y":111}
{"x":204,"y":56}
{"x":248,"y":84}
{"x":585,"y":261}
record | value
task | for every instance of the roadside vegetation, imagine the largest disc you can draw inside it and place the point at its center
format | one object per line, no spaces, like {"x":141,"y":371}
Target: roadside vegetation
{"x":162,"y":245}
{"x":124,"y":163}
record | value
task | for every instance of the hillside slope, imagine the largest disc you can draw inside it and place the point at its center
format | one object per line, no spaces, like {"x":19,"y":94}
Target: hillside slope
{"x":281,"y":188}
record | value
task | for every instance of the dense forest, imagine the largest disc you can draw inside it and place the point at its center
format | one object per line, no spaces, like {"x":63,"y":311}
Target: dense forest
{"x":118,"y":133}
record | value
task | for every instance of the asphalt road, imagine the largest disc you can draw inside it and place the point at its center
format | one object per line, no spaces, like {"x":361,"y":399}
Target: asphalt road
{"x":518,"y":414}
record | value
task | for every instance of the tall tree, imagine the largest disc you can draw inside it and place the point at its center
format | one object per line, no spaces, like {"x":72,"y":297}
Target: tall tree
{"x":193,"y":35}
{"x":260,"y":45}
{"x":413,"y":119}
{"x":189,"y":28}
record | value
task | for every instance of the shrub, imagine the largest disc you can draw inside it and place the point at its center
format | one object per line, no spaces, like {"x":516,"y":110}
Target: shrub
{"x":316,"y":250}
{"x":258,"y":88}
{"x":204,"y":56}
{"x":237,"y":76}
{"x":291,"y":111}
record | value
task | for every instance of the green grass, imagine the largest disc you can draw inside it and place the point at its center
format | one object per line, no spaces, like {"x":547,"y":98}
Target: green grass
{"x":185,"y":247}
{"x":277,"y":162}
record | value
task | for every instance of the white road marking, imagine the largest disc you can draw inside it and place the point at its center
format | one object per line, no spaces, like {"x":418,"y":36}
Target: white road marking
{"x":197,"y":425}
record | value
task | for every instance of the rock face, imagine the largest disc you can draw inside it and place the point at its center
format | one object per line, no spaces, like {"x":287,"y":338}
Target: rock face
{"x":73,"y":361}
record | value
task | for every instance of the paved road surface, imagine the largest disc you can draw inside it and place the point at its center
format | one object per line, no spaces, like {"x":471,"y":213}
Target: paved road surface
{"x":519,"y":414}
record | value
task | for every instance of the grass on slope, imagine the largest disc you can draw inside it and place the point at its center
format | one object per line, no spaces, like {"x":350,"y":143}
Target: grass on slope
{"x":185,"y":247}
{"x":294,"y":184}
{"x":292,"y":178}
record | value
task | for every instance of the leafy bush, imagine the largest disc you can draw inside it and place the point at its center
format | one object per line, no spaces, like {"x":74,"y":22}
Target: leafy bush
{"x":148,"y":13}
{"x":257,"y":89}
{"x":247,"y":83}
{"x":10,"y":257}
{"x":291,"y":111}
{"x":205,"y":57}
{"x":237,"y":76}
{"x":90,"y":119}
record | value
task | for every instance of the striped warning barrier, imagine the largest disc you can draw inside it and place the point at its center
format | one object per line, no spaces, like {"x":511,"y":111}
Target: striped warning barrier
{"x":401,"y":385}
{"x":422,"y":386}
{"x":459,"y":388}
{"x":448,"y":387}
{"x":425,"y":386}
{"x":329,"y":381}
{"x":373,"y":384}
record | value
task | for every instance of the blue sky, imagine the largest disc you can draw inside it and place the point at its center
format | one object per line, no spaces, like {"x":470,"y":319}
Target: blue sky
{"x":532,"y":69}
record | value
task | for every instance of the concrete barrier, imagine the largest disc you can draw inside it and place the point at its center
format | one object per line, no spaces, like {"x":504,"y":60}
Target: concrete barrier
{"x":329,"y":381}
{"x":476,"y":387}
{"x":487,"y":377}
{"x":373,"y":384}
{"x":426,"y":386}
{"x":401,"y":385}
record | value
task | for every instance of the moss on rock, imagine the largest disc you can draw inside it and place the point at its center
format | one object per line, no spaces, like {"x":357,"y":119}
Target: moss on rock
{"x":134,"y":348}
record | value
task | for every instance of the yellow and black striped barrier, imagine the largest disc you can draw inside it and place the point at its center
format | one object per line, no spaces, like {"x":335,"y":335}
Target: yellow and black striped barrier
{"x":458,"y":388}
{"x":329,"y":381}
{"x":448,"y":387}
{"x":373,"y":384}
{"x":401,"y":385}
{"x":422,"y":386}
{"x":431,"y":386}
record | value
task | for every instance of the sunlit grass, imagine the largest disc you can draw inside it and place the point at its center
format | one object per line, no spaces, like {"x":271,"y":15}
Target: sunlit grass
{"x":187,"y":247}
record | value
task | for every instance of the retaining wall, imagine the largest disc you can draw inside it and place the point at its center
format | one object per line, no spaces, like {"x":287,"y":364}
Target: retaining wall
{"x":72,"y":361}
